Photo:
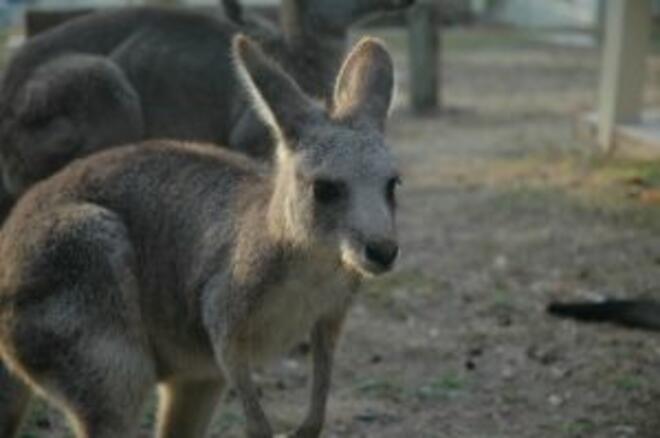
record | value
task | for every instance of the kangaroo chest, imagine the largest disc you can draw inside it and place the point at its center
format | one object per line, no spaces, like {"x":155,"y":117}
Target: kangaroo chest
{"x":293,"y":303}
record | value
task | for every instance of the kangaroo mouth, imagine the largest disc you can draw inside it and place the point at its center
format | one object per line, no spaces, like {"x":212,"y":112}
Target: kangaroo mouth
{"x":356,"y":261}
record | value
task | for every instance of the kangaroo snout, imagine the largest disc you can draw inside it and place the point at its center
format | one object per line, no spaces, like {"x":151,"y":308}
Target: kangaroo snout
{"x":382,"y":253}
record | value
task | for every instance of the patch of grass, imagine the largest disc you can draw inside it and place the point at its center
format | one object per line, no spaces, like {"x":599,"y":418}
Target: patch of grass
{"x":630,"y":383}
{"x":411,"y":281}
{"x":578,"y":428}
{"x":502,"y":299}
{"x":391,"y":293}
{"x":621,"y":170}
{"x":442,"y":388}
{"x":379,"y":388}
{"x":227,"y":421}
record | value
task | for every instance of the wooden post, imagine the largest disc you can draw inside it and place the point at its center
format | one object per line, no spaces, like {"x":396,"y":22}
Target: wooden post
{"x":162,"y":2}
{"x":599,"y":22}
{"x":627,"y":34}
{"x":424,"y":39}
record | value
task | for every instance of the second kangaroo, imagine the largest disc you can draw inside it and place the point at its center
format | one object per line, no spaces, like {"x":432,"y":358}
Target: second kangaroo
{"x":184,"y":265}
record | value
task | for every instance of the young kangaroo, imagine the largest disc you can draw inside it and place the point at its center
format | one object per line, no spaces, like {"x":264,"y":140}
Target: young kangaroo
{"x":183,"y":265}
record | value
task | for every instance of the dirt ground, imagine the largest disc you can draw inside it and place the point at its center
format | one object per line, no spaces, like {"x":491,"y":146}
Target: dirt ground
{"x":502,"y":210}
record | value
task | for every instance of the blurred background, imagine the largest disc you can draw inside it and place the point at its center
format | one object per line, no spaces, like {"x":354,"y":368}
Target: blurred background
{"x":528,"y":135}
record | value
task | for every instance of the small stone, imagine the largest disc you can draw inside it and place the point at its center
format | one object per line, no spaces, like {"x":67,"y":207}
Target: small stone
{"x":501,"y":262}
{"x":376,"y":358}
{"x":555,"y":400}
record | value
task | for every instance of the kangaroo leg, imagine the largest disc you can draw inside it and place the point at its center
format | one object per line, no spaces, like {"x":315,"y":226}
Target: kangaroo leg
{"x":107,"y":401}
{"x":323,"y":340}
{"x":187,"y":407}
{"x":239,"y":370}
{"x":72,"y":326}
{"x":98,"y":376}
{"x":14,"y":401}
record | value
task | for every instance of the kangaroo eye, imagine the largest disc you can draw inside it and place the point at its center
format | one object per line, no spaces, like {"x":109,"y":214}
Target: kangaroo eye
{"x":328,"y":192}
{"x":390,"y":189}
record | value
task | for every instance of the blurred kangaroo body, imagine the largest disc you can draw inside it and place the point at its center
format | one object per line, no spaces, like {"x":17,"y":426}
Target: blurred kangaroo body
{"x":184,"y":265}
{"x":141,"y":73}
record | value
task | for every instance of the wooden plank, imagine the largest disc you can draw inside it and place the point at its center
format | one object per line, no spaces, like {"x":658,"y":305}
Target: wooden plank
{"x":627,"y":34}
{"x":162,"y":2}
{"x":424,"y":40}
{"x":39,"y":20}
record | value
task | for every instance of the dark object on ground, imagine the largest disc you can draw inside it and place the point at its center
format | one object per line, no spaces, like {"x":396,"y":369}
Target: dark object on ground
{"x":642,"y":314}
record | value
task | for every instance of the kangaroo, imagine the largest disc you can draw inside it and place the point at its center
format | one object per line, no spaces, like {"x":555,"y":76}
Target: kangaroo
{"x":185,"y":265}
{"x":142,"y":73}
{"x":634,"y":313}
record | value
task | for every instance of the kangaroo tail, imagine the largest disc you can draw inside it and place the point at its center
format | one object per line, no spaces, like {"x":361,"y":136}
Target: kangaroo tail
{"x":643,"y":314}
{"x":234,"y":11}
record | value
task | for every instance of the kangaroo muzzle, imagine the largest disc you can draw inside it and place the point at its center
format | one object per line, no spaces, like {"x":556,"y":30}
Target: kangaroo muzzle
{"x":382,"y":253}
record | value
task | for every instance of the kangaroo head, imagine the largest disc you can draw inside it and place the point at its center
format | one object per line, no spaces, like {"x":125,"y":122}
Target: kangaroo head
{"x":334,"y":175}
{"x":336,"y":15}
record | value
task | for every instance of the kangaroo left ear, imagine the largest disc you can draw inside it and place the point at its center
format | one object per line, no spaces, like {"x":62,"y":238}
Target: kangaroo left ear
{"x":276,"y":97}
{"x":365,"y":85}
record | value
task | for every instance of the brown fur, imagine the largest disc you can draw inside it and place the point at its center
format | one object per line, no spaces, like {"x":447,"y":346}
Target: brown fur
{"x":183,"y":266}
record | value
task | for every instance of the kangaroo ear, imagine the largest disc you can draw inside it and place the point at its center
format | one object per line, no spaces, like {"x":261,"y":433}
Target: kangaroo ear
{"x":365,"y":85}
{"x":276,"y":97}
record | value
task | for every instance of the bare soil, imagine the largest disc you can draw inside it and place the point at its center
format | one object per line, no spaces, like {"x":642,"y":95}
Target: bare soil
{"x":502,"y":210}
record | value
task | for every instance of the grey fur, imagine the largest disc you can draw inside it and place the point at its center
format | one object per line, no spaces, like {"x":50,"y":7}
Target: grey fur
{"x":183,"y":265}
{"x":159,"y":74}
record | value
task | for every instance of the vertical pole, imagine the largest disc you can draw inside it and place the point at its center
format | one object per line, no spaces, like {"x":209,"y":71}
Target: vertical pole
{"x":627,"y":34}
{"x":424,"y":40}
{"x":162,"y":2}
{"x":599,"y":22}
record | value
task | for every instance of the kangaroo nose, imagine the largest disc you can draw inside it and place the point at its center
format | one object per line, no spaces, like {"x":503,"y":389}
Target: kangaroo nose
{"x":382,"y":253}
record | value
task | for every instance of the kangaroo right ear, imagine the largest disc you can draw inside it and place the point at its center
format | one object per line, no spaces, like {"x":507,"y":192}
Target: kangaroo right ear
{"x":276,"y":97}
{"x":365,"y":85}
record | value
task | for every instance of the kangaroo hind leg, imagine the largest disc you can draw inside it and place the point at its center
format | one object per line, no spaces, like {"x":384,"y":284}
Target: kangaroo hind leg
{"x":14,"y":401}
{"x":75,"y":332}
{"x":186,"y":407}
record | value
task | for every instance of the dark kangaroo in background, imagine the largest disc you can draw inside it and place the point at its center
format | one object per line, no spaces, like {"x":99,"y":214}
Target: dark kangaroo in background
{"x":109,"y":286}
{"x":117,"y":77}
